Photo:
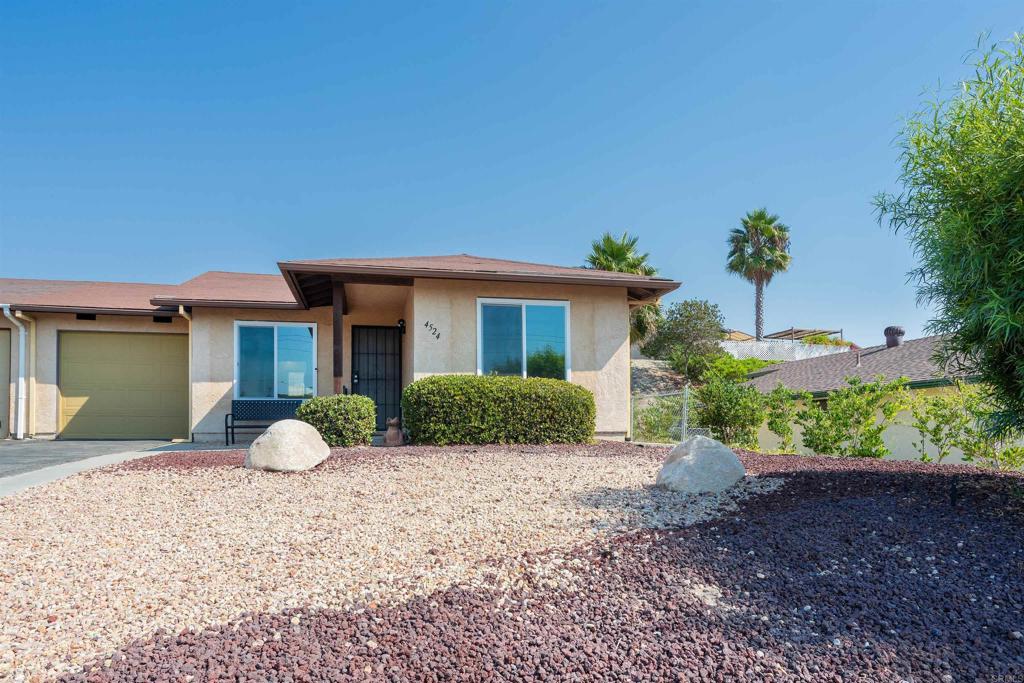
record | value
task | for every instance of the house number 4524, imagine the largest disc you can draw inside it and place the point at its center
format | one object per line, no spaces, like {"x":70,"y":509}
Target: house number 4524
{"x":433,"y":329}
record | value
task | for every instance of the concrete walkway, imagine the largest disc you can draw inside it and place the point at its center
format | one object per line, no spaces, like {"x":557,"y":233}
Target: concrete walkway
{"x":19,"y":457}
{"x":31,"y":463}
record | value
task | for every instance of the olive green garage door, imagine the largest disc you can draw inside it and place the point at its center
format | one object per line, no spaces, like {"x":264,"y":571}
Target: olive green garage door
{"x":119,"y":385}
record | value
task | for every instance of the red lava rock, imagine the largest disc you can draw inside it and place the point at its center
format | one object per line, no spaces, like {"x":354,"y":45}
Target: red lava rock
{"x":912,"y":583}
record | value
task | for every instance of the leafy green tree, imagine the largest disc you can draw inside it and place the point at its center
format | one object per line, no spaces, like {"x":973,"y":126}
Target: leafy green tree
{"x":853,"y":419}
{"x":758,"y":251}
{"x":688,"y":335}
{"x":941,"y":420}
{"x":620,"y":255}
{"x":732,"y":411}
{"x":961,"y":209}
{"x":958,"y":420}
{"x":781,"y":407}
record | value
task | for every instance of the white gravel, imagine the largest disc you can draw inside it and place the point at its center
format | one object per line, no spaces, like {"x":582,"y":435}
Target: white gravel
{"x":94,"y":561}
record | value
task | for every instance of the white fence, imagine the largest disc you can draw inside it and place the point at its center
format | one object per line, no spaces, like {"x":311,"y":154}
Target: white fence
{"x":779,"y":349}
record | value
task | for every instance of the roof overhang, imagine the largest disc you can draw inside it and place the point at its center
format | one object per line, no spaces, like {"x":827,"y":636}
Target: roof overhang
{"x":312,"y":283}
{"x":223,"y":303}
{"x":91,"y":310}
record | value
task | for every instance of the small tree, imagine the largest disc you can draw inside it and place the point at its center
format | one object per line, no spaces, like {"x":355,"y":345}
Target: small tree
{"x":961,"y":210}
{"x":781,"y":407}
{"x":941,"y":420}
{"x":688,"y":331}
{"x":854,"y":419}
{"x":732,"y":411}
{"x":959,"y":420}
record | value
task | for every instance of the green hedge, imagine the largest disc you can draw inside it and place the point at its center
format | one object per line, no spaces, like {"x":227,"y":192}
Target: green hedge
{"x":342,"y":420}
{"x":471,"y":409}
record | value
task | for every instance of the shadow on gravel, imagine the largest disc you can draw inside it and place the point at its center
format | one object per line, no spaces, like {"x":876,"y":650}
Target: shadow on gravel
{"x":851,"y":571}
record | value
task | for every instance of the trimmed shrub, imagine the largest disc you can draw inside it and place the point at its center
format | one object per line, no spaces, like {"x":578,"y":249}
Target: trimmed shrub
{"x":342,"y":420}
{"x":472,"y":409}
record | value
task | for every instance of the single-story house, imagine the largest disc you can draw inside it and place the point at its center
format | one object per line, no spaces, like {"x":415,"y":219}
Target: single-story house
{"x":128,"y":360}
{"x":913,"y":359}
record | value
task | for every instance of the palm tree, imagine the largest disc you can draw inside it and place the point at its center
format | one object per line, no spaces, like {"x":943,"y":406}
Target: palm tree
{"x":757,"y":252}
{"x":619,"y":254}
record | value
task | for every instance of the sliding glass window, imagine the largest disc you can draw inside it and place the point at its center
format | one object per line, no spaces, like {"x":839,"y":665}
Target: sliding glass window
{"x":523,"y":337}
{"x":275,"y":360}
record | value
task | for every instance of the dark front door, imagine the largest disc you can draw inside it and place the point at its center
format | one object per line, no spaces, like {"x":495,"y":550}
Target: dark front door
{"x":377,"y":368}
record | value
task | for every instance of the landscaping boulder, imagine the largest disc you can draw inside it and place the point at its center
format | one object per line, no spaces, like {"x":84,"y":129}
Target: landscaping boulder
{"x":700,"y":465}
{"x":287,"y":446}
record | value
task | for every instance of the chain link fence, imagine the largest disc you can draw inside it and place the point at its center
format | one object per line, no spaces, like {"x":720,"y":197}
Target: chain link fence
{"x":666,"y":417}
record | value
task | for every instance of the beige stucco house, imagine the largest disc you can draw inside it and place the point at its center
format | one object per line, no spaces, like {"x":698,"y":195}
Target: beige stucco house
{"x":127,"y":360}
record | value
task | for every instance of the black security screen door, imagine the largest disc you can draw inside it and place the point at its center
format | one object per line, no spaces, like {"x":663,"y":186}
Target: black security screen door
{"x":377,"y":368}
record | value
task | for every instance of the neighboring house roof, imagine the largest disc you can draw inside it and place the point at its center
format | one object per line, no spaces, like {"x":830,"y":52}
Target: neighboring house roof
{"x":799,"y":333}
{"x":81,"y":296}
{"x":913,"y":359}
{"x":241,"y":290}
{"x":654,"y":377}
{"x":306,"y":277}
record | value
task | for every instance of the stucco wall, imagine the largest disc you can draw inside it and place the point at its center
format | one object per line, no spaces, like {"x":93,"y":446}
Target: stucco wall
{"x":213,"y":360}
{"x":213,"y":347}
{"x":599,"y":331}
{"x":44,"y":400}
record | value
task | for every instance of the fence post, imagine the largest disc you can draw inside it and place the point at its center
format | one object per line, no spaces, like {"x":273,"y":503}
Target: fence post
{"x":686,"y":411}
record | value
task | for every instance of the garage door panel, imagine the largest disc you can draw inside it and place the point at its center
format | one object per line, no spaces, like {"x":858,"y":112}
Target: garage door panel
{"x":123,"y":385}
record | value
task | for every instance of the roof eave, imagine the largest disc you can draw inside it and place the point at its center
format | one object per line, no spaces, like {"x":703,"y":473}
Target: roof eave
{"x":227,"y":303}
{"x":657,"y":288}
{"x":92,"y":310}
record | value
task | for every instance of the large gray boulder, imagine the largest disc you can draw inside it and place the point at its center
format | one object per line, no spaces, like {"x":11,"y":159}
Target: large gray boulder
{"x":287,"y":446}
{"x":700,"y":465}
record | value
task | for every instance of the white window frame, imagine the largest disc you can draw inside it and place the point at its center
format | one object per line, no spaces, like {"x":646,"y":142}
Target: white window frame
{"x":522,"y":303}
{"x":238,"y":356}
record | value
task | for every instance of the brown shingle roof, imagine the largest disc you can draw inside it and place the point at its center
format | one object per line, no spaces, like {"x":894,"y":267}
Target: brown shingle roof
{"x":220,"y":288}
{"x":80,"y":296}
{"x":469,"y":264}
{"x":912,"y":359}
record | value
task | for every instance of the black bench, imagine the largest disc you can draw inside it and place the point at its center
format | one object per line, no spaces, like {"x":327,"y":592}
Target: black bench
{"x":258,"y":413}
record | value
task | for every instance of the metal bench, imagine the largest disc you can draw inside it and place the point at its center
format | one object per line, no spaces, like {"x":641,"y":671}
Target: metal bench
{"x":257,"y":413}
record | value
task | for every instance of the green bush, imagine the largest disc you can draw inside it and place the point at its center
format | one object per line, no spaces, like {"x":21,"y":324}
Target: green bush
{"x":854,"y":418}
{"x":471,"y":409}
{"x":781,"y":407}
{"x":960,"y":418}
{"x":342,"y":420}
{"x":825,"y":340}
{"x":735,"y":369}
{"x":659,"y":420}
{"x":732,"y":411}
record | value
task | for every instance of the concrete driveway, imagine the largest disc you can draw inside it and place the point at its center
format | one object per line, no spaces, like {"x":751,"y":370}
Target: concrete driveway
{"x":19,"y":457}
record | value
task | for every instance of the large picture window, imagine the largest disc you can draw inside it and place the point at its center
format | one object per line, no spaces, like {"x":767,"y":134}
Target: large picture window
{"x":524,"y":337}
{"x":275,"y":360}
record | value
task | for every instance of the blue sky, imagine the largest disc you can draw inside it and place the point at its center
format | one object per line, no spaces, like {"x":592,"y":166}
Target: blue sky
{"x":152,"y":141}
